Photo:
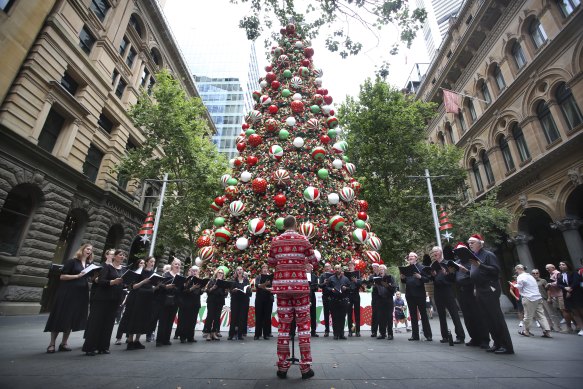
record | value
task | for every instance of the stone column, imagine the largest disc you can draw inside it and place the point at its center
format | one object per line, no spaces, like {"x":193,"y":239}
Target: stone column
{"x":523,"y":251}
{"x":570,"y":230}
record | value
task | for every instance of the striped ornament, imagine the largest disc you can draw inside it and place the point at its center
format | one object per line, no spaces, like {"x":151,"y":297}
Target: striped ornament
{"x":373,"y":256}
{"x":347,"y":194}
{"x":374,"y":242}
{"x":296,"y":82}
{"x":231,"y":191}
{"x":206,"y":253}
{"x":276,"y":152}
{"x":350,"y":168}
{"x":318,"y":153}
{"x":236,"y":208}
{"x":215,"y":207}
{"x":224,"y":179}
{"x":340,"y":147}
{"x":253,"y":117}
{"x":281,"y":177}
{"x":336,"y":222}
{"x":311,"y":194}
{"x":313,"y":124}
{"x":332,"y":122}
{"x":256,"y":226}
{"x":222,"y":235}
{"x":308,"y":230}
{"x":359,"y":236}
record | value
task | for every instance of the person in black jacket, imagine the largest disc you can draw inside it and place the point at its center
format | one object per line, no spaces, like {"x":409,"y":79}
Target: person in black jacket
{"x":337,"y":287}
{"x":415,"y":293}
{"x":484,"y":273}
{"x":140,"y":316}
{"x":313,"y":280}
{"x":374,"y":326}
{"x":104,"y":308}
{"x":354,"y":300}
{"x":323,"y":284}
{"x":263,"y":304}
{"x":188,"y":307}
{"x":165,"y":293}
{"x":214,"y":303}
{"x":384,"y":288}
{"x":240,"y":294}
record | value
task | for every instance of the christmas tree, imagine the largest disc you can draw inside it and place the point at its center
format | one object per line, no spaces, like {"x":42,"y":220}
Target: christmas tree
{"x":292,"y":162}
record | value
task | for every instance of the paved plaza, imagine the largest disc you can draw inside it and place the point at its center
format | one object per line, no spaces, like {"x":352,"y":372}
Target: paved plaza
{"x":354,"y":363}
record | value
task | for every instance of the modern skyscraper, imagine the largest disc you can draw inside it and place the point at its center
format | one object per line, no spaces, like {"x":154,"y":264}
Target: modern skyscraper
{"x":439,"y":13}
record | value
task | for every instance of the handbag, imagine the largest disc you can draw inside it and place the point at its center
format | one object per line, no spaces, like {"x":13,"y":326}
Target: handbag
{"x":169,"y":300}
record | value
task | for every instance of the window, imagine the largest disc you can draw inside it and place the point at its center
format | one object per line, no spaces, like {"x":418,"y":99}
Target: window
{"x":131,"y":56}
{"x":449,"y":133}
{"x":156,"y":57}
{"x":441,"y":139}
{"x":5,"y":5}
{"x":518,"y":55}
{"x":499,"y":78}
{"x":145,"y":75}
{"x":114,"y":76}
{"x":520,"y":143}
{"x":123,"y":45}
{"x":151,"y":85}
{"x":506,"y":154}
{"x":462,"y":122}
{"x":105,"y":123}
{"x":92,"y":163}
{"x":477,"y":176}
{"x":50,"y":131}
{"x":568,"y":6}
{"x":121,"y":86}
{"x":472,"y":110}
{"x":486,"y":93}
{"x":568,"y":106}
{"x":487,"y":167}
{"x":537,"y":33}
{"x":136,"y":25}
{"x":547,"y":122}
{"x":86,"y":40}
{"x":14,"y":217}
{"x":69,"y":83}
{"x":100,"y":8}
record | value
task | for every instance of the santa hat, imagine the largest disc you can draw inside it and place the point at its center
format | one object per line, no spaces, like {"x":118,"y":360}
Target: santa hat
{"x":476,"y":238}
{"x":413,"y":253}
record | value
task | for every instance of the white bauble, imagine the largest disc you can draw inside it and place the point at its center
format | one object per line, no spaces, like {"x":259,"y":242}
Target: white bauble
{"x":246,"y":176}
{"x":263,"y":84}
{"x":333,"y":198}
{"x":297,"y":96}
{"x":326,"y":109}
{"x":242,"y":243}
{"x":298,"y":142}
{"x":337,"y":164}
{"x":198,"y":261}
{"x":232,"y":163}
{"x":318,"y":81}
{"x":317,"y":255}
{"x":290,"y":121}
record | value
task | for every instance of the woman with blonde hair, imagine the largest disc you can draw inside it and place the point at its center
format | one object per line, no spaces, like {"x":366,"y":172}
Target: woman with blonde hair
{"x":215,"y":302}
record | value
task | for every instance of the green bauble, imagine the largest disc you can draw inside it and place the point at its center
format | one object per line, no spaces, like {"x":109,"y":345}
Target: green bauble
{"x":323,"y":173}
{"x":279,"y":223}
{"x":360,"y":224}
{"x":315,"y":108}
{"x":286,"y":93}
{"x":219,"y":221}
{"x":224,"y":269}
{"x":250,"y":132}
{"x":345,"y":158}
{"x":287,"y":73}
{"x":232,"y":181}
{"x":283,"y":134}
{"x":332,"y":133}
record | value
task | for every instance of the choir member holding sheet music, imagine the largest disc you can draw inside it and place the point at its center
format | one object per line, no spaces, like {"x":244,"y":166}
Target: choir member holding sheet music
{"x":189,"y":305}
{"x":216,"y":290}
{"x":165,"y":294}
{"x":69,"y":312}
{"x":415,"y":280}
{"x":313,"y":281}
{"x":263,"y":303}
{"x":384,"y":288}
{"x":140,"y":315}
{"x":104,"y":307}
{"x":374,"y":301}
{"x":353,"y":298}
{"x":337,"y":287}
{"x":130,"y":277}
{"x":323,"y":284}
{"x":240,"y":294}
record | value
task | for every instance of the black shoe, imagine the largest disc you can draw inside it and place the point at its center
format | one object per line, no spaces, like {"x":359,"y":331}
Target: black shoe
{"x":491,"y":349}
{"x":256,"y":338}
{"x":342,"y":337}
{"x":131,"y":346}
{"x":315,"y":335}
{"x":389,"y":337}
{"x":502,"y":350}
{"x":167,"y":343}
{"x":239,"y":338}
{"x":103,"y":352}
{"x":381,"y":337}
{"x":326,"y":334}
{"x":443,"y":341}
{"x":413,"y":339}
{"x":139,"y":346}
{"x":458,"y":341}
{"x":266,"y":337}
{"x":230,"y":338}
{"x":485,"y":346}
{"x":182,"y":340}
{"x":358,"y":334}
{"x":350,"y":334}
{"x":90,"y":353}
{"x":308,"y":374}
{"x":159,"y":344}
{"x":270,"y":336}
{"x":335,"y":337}
{"x":429,"y":339}
{"x":373,"y":334}
{"x":472,"y":344}
{"x":282,"y":374}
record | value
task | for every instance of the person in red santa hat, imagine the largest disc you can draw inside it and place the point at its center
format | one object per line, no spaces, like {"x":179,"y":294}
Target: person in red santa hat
{"x":484,"y":273}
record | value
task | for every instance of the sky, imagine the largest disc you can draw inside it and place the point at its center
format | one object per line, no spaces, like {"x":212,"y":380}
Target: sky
{"x":217,"y":21}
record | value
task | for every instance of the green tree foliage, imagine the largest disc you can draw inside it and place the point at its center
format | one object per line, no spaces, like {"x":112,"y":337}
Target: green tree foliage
{"x":373,"y":15}
{"x":174,"y":125}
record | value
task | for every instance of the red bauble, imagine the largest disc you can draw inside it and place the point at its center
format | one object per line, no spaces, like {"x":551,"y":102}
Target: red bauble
{"x":359,"y":265}
{"x":238,"y":161}
{"x":280,"y":200}
{"x":325,"y":139}
{"x":328,"y":99}
{"x":282,"y":31}
{"x":241,"y":146}
{"x":331,"y":112}
{"x":271,"y":125}
{"x":320,"y":91}
{"x":290,"y":29}
{"x":220,"y":200}
{"x":268,"y":68}
{"x":318,"y":99}
{"x":362,"y":215}
{"x":203,"y":241}
{"x":270,"y":77}
{"x":252,"y":160}
{"x":308,"y":52}
{"x":259,"y":185}
{"x":245,"y":126}
{"x":275,"y":84}
{"x":306,"y":62}
{"x":255,"y":140}
{"x":297,"y":106}
{"x":363,"y":205}
{"x":273,"y":109}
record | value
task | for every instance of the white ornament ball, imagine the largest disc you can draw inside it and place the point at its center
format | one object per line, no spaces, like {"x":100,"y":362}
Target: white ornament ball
{"x":337,"y":164}
{"x":298,"y":142}
{"x":326,"y":109}
{"x":299,"y":45}
{"x":318,"y":81}
{"x":297,"y":96}
{"x":317,"y":255}
{"x":246,"y":176}
{"x":263,"y":84}
{"x":242,"y":243}
{"x":333,"y":198}
{"x":232,"y":163}
{"x":290,"y":121}
{"x":198,"y":261}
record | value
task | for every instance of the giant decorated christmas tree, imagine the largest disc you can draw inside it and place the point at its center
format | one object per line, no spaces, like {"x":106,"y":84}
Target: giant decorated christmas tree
{"x":291,"y":162}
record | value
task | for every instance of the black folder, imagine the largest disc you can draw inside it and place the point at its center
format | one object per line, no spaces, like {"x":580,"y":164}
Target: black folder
{"x":453,"y":264}
{"x":130,"y":277}
{"x":265,"y":277}
{"x":465,"y":254}
{"x":224,"y":284}
{"x":436,"y":266}
{"x":408,"y":271}
{"x":199,"y":281}
{"x":352,"y":274}
{"x":179,"y":281}
{"x":155,"y":279}
{"x":377,"y":280}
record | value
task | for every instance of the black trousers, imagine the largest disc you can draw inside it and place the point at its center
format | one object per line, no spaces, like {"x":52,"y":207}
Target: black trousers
{"x":165,"y":322}
{"x":489,"y":301}
{"x":326,"y":305}
{"x":385,"y":316}
{"x":473,"y":316}
{"x":444,"y":299}
{"x":418,"y":303}
{"x":263,"y":308}
{"x":354,"y":305}
{"x":313,"y":321}
{"x":238,"y":315}
{"x":100,"y":325}
{"x":187,"y":316}
{"x":213,"y":317}
{"x":374,"y":326}
{"x":338,"y":308}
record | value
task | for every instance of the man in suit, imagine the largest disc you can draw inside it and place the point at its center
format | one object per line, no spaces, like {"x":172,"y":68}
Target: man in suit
{"x":415,"y":293}
{"x":313,"y":280}
{"x":374,"y":302}
{"x":323,"y":284}
{"x":354,"y":301}
{"x":338,"y":286}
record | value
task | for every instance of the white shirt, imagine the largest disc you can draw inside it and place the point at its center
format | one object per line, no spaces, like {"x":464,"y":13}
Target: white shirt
{"x":528,"y":287}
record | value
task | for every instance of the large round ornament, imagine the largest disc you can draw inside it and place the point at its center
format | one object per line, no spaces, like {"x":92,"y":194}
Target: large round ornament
{"x":325,"y":139}
{"x":318,"y":153}
{"x":273,"y":109}
{"x":363,"y":205}
{"x":241,"y":146}
{"x":256,"y":226}
{"x":236,"y":208}
{"x":287,"y":73}
{"x":276,"y":152}
{"x":356,"y":186}
{"x":242,"y":243}
{"x":206,"y":253}
{"x":375,"y":243}
{"x":308,"y":52}
{"x":220,"y":200}
{"x":252,"y":160}
{"x":328,"y":99}
{"x":255,"y":140}
{"x":362,"y":216}
{"x":253,"y":117}
{"x":318,"y":72}
{"x":219,"y":221}
{"x":311,"y":194}
{"x":270,"y":77}
{"x":336,"y":223}
{"x":333,"y":198}
{"x":277,"y":51}
{"x":347,"y":194}
{"x":337,"y":163}
{"x":246,"y":176}
{"x":263,"y":84}
{"x":279,"y":223}
{"x":283,"y":61}
{"x":256,"y":95}
{"x":232,"y":181}
{"x":285,"y":92}
{"x":303,"y":71}
{"x":203,"y":241}
{"x":315,"y":108}
{"x":231,"y":192}
{"x":340,"y":147}
{"x":290,"y":121}
{"x":332,"y":122}
{"x":259,"y":185}
{"x":224,"y":179}
{"x":359,"y":265}
{"x":332,"y":133}
{"x":373,"y":256}
{"x":308,"y":230}
{"x":222,"y":235}
{"x":298,"y":142}
{"x":208,"y":232}
{"x":313,"y":124}
{"x":323,"y":174}
{"x":350,"y":168}
{"x":296,"y":82}
{"x":198,"y":262}
{"x":265,"y":100}
{"x":281,"y":177}
{"x":360,"y":224}
{"x":215,"y":207}
{"x":359,"y":236}
{"x":297,"y":106}
{"x":297,"y":96}
{"x":280,"y":200}
{"x":283,"y":134}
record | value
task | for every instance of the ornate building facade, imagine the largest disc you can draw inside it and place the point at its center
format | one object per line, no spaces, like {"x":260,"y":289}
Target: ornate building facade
{"x":64,"y":127}
{"x":520,"y":66}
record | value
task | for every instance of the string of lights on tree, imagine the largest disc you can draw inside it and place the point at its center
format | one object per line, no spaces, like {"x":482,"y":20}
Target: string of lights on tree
{"x":291,"y":162}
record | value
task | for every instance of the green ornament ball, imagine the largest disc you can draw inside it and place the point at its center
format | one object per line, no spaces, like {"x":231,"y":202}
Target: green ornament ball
{"x":332,"y":133}
{"x":345,"y":158}
{"x":315,"y":108}
{"x":287,"y":73}
{"x":286,"y":93}
{"x":219,"y":221}
{"x":360,"y":224}
{"x":225,"y":270}
{"x":232,"y":181}
{"x":283,"y":134}
{"x":279,"y":223}
{"x":250,"y":132}
{"x":323,"y":173}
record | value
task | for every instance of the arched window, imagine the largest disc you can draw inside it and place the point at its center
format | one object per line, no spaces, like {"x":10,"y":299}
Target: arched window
{"x":487,"y":167}
{"x":136,"y":25}
{"x":506,"y":154}
{"x":518,"y":55}
{"x":477,"y":176}
{"x":568,"y":6}
{"x":449,"y":133}
{"x":486,"y":92}
{"x":520,"y":142}
{"x":441,"y":138}
{"x":500,"y":83}
{"x":472,"y":110}
{"x":15,"y":217}
{"x":537,"y":33}
{"x":568,"y":106}
{"x":463,"y":125}
{"x":156,"y":57}
{"x":547,"y":122}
